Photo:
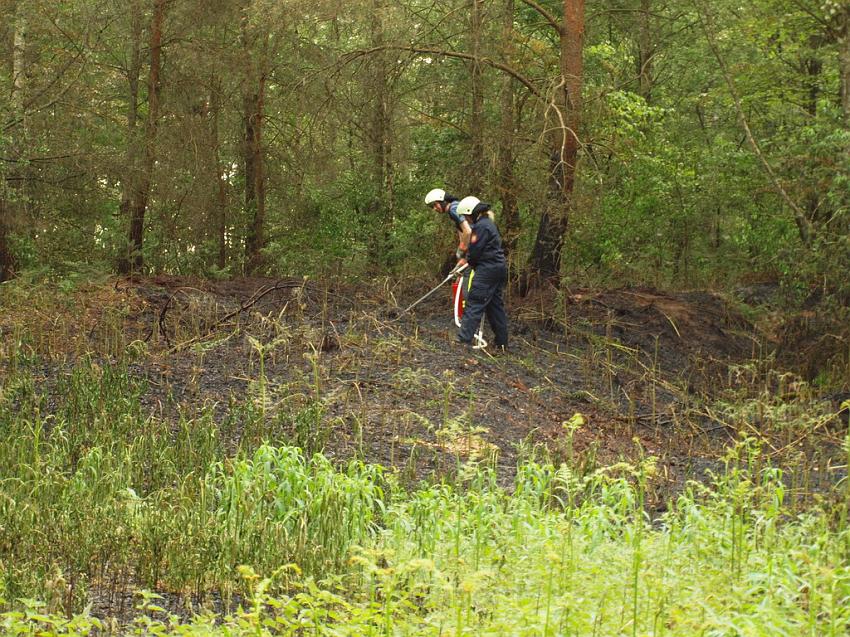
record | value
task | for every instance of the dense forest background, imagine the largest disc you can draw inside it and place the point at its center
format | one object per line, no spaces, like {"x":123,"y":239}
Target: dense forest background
{"x":671,"y":142}
{"x":217,"y":419}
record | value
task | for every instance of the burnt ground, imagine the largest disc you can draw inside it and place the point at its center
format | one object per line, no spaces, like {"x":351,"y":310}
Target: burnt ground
{"x":339,"y":368}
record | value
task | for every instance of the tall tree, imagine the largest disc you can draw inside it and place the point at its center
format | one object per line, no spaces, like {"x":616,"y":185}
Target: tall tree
{"x":646,"y":50}
{"x":13,"y":200}
{"x":255,"y":43}
{"x":219,"y":183}
{"x":843,"y":28}
{"x":18,"y":127}
{"x":379,"y":130}
{"x":132,"y":164}
{"x":563,"y":140}
{"x":141,"y":183}
{"x":506,"y":186}
{"x":477,"y":166}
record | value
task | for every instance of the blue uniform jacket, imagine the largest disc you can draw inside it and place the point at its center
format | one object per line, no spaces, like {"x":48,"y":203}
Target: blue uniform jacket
{"x":486,"y":255}
{"x":453,"y":215}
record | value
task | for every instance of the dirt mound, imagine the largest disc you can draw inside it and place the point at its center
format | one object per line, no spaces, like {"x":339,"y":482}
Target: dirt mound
{"x":686,"y":334}
{"x":672,"y":328}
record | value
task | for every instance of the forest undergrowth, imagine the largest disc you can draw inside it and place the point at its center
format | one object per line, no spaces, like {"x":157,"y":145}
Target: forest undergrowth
{"x":288,"y":458}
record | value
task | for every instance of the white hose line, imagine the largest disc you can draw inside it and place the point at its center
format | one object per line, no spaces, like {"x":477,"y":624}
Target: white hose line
{"x":479,"y":337}
{"x":458,"y":294}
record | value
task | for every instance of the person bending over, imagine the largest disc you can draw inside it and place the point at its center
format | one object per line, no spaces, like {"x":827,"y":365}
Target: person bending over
{"x":444,"y":203}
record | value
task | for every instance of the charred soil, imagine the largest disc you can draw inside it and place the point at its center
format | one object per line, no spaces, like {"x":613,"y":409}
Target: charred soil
{"x":593,"y":378}
{"x":340,"y":369}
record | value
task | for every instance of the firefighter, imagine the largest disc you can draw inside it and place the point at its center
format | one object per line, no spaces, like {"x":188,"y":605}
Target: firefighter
{"x":486,"y":256}
{"x":443,"y":203}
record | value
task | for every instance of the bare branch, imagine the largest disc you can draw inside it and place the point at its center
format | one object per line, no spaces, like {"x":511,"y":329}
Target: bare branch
{"x":551,"y":19}
{"x":519,"y":77}
{"x":803,"y":224}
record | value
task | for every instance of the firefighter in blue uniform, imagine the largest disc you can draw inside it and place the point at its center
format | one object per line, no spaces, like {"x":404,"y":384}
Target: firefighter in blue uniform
{"x":487,"y":258}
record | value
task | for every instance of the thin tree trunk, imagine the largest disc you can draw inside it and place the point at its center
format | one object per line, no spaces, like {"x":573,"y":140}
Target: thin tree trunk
{"x":19,"y":64}
{"x":475,"y":180}
{"x":844,"y":67}
{"x":131,"y":163}
{"x":812,"y":68}
{"x":218,"y":181}
{"x":380,"y":135}
{"x":10,"y":207}
{"x":506,"y":186}
{"x":141,"y":192}
{"x":646,"y":50}
{"x":7,"y":259}
{"x":563,"y":154}
{"x":253,"y":113}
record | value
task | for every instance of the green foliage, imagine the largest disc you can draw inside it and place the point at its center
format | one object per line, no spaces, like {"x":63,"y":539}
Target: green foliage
{"x":668,"y":190}
{"x":559,"y":555}
{"x":94,"y":489}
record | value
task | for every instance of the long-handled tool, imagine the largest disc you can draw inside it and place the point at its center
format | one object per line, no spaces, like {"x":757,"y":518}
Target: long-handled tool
{"x":455,"y":272}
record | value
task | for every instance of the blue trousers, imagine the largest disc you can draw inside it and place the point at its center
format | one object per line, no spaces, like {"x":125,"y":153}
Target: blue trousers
{"x":485,"y":299}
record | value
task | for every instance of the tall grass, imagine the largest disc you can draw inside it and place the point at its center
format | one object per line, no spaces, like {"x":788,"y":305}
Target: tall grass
{"x":724,"y":560}
{"x":97,"y":494}
{"x":93,"y":489}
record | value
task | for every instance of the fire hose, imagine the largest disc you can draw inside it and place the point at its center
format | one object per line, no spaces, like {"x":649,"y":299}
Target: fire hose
{"x":480,"y":343}
{"x":457,"y":271}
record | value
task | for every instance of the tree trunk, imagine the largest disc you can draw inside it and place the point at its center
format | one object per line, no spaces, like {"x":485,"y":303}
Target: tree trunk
{"x":131,"y":163}
{"x":7,"y":259}
{"x":380,"y":136}
{"x":12,"y":206}
{"x":506,"y":186}
{"x":844,"y":67}
{"x":475,"y":180}
{"x":563,"y":155}
{"x":19,"y":63}
{"x":141,"y":192}
{"x":646,"y":50}
{"x":812,"y":68}
{"x":253,"y":113}
{"x":218,"y":181}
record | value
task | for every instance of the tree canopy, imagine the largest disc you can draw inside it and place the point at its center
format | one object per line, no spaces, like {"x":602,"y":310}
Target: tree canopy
{"x":672,"y":142}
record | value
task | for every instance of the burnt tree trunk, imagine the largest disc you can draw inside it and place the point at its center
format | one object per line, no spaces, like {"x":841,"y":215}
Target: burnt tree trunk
{"x":545,"y":262}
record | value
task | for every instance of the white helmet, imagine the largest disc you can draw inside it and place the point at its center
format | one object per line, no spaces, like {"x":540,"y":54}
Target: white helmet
{"x":438,"y":194}
{"x":467,"y":205}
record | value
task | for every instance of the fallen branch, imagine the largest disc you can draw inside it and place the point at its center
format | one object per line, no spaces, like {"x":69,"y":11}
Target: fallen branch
{"x":246,"y":305}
